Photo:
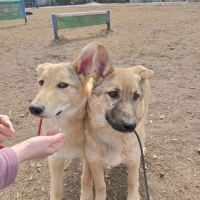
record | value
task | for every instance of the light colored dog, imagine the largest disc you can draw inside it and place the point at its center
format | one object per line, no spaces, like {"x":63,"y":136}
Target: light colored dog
{"x":61,"y":101}
{"x":118,"y":104}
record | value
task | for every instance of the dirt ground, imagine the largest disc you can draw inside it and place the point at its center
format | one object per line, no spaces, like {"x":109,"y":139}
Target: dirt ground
{"x":163,"y":37}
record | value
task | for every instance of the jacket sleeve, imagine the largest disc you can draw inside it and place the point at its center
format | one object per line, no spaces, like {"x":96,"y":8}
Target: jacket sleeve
{"x":9,"y":165}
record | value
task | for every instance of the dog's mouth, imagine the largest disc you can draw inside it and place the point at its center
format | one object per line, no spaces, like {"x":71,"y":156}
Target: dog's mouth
{"x":58,"y":113}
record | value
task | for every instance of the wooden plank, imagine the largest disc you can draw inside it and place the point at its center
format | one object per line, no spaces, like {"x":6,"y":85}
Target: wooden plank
{"x":9,"y":2}
{"x":11,"y":10}
{"x":80,"y":21}
{"x":82,"y":13}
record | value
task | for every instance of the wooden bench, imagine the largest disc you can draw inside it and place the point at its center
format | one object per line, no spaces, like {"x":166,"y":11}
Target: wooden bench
{"x":80,"y":19}
{"x":12,"y":10}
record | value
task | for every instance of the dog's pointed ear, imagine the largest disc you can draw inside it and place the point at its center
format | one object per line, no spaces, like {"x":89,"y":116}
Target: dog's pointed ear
{"x":42,"y":67}
{"x":84,"y":62}
{"x":103,"y":64}
{"x":143,"y":72}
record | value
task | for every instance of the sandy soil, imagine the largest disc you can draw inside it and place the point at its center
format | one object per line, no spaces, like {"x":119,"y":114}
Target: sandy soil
{"x":162,"y":37}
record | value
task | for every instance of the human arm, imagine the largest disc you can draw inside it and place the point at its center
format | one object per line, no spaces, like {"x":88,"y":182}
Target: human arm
{"x":33,"y":148}
{"x":9,"y":166}
{"x":39,"y":147}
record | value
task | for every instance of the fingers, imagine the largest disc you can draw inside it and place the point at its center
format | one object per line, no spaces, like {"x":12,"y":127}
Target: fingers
{"x":6,"y":128}
{"x":8,"y":132}
{"x":54,"y":132}
{"x":55,"y":138}
{"x":2,"y":138}
{"x":4,"y":119}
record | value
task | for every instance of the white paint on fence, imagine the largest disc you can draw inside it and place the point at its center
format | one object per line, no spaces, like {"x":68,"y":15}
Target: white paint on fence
{"x":83,"y":13}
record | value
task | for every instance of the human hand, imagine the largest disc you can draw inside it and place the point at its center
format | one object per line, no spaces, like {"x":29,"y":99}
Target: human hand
{"x":39,"y":147}
{"x":6,"y":128}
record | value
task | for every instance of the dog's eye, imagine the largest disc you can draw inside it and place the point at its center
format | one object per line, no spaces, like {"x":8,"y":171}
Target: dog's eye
{"x":136,"y":96}
{"x":41,"y":82}
{"x":113,"y":94}
{"x":63,"y":85}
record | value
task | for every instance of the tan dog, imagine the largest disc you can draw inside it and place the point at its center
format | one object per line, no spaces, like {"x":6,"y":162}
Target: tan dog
{"x":61,"y":101}
{"x":118,"y":105}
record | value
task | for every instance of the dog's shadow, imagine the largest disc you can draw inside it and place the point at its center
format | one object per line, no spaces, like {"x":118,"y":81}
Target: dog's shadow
{"x":116,"y":182}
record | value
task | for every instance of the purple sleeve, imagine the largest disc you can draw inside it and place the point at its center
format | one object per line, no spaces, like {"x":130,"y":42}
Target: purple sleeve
{"x":9,"y":165}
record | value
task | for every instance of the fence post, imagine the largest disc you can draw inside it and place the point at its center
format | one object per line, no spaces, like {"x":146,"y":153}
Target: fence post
{"x":23,"y":10}
{"x":108,"y":20}
{"x":55,"y":27}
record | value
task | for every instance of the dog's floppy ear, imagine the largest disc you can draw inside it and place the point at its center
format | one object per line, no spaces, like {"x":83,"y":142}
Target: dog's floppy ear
{"x":84,"y":62}
{"x":143,"y":72}
{"x":103,"y":64}
{"x":42,"y":67}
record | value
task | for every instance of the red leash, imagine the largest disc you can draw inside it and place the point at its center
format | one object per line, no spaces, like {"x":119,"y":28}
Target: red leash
{"x":38,"y":134}
{"x":39,"y":127}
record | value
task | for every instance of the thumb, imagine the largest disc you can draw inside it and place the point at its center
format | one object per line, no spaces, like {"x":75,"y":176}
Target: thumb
{"x":55,"y":138}
{"x":56,"y":146}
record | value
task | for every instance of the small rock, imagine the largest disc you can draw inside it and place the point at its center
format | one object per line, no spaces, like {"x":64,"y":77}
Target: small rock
{"x":162,"y":116}
{"x":155,"y":157}
{"x":161,"y":174}
{"x":198,"y":151}
{"x":32,"y":164}
{"x":174,"y":139}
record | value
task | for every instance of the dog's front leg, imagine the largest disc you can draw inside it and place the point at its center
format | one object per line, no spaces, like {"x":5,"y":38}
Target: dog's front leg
{"x":86,"y":182}
{"x":56,"y":166}
{"x":98,"y":175}
{"x":133,"y":180}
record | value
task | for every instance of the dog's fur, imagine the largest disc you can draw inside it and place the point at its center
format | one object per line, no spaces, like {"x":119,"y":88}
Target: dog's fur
{"x":107,"y":140}
{"x":64,"y":108}
{"x":110,"y":121}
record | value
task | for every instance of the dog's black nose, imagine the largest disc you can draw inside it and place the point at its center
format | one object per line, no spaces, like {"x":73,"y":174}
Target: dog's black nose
{"x":36,"y":110}
{"x":128,"y":126}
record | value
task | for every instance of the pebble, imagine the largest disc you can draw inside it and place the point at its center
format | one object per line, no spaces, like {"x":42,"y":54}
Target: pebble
{"x":198,"y":151}
{"x":155,"y":157}
{"x":161,"y":174}
{"x":162,"y":116}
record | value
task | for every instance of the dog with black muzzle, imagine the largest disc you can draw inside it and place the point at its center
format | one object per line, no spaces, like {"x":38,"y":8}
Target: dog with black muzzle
{"x":61,"y":102}
{"x":117,"y":105}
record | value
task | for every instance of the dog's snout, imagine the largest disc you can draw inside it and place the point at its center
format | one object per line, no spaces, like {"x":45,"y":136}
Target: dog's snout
{"x":128,"y":126}
{"x":36,"y":110}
